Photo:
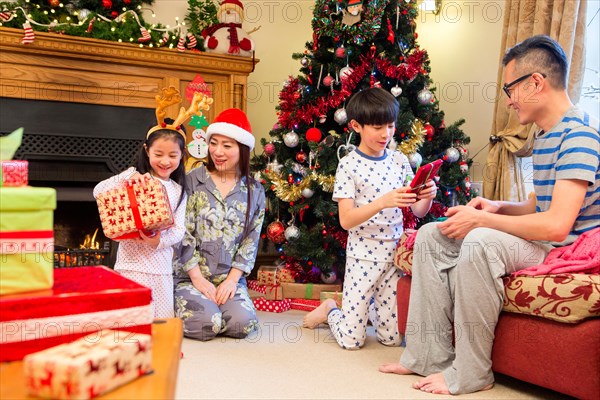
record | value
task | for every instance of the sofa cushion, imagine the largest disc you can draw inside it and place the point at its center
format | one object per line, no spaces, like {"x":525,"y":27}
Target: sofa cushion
{"x":562,"y":297}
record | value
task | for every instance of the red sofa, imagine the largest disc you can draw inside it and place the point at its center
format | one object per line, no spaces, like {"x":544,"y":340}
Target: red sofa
{"x":561,"y":356}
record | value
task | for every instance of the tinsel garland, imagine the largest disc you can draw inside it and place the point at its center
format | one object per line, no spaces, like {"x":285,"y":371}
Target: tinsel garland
{"x":290,"y":116}
{"x":324,"y":24}
{"x":411,"y":221}
{"x":415,"y":139}
{"x":287,"y":192}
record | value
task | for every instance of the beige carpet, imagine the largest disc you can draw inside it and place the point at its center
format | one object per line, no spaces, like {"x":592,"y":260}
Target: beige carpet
{"x":285,"y":361}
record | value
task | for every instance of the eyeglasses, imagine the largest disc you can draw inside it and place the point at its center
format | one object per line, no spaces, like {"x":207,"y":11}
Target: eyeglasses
{"x":507,"y":86}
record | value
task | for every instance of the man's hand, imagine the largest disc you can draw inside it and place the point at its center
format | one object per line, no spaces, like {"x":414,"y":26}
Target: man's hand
{"x":484,"y":204}
{"x":461,"y":220}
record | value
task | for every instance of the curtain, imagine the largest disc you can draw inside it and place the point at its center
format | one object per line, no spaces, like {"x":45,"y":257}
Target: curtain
{"x":562,"y":20}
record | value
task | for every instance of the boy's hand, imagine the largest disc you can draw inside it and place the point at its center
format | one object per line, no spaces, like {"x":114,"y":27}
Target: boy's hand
{"x":429,"y":191}
{"x":481,"y":203}
{"x":400,"y":197}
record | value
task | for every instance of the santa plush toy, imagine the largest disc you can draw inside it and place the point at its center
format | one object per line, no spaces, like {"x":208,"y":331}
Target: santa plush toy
{"x":227,"y":37}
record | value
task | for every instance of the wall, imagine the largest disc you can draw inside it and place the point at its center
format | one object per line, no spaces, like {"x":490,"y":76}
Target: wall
{"x":463,"y":42}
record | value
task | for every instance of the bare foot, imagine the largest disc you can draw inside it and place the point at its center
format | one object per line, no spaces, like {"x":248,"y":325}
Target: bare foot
{"x":436,"y":384}
{"x":395,"y":368}
{"x":319,"y":314}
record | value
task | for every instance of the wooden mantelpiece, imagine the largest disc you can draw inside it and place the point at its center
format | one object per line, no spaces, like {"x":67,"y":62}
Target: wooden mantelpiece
{"x":82,"y":70}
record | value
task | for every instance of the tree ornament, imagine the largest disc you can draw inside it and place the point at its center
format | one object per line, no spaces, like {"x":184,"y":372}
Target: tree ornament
{"x":322,"y":118}
{"x":292,"y":232}
{"x":291,"y":139}
{"x":269,"y":149}
{"x":396,"y":91}
{"x":114,"y":14}
{"x":464,"y":153}
{"x":429,"y":131}
{"x":258,"y":176}
{"x":145,"y":35}
{"x":424,"y":97}
{"x":464,"y":167}
{"x":328,"y":80}
{"x":276,"y":232}
{"x":107,"y":4}
{"x":346,"y":72}
{"x":304,"y":61}
{"x":91,"y":25}
{"x":451,"y":155}
{"x":54,"y":3}
{"x":83,"y":14}
{"x":329,"y":277}
{"x":299,"y":169}
{"x":198,"y":148}
{"x":313,"y":134}
{"x":301,"y":156}
{"x":415,"y":160}
{"x":29,"y":35}
{"x":274,"y":166}
{"x":340,"y":116}
{"x":290,"y":179}
{"x":307,"y":193}
{"x":351,"y":15}
{"x":340,"y":52}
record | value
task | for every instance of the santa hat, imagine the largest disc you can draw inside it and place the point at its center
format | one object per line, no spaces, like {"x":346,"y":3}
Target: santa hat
{"x":235,"y":5}
{"x":354,"y":2}
{"x":234,"y":124}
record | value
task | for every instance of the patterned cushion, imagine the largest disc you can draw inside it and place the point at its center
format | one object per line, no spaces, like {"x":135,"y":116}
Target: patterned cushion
{"x":566,"y":298}
{"x":563,"y":297}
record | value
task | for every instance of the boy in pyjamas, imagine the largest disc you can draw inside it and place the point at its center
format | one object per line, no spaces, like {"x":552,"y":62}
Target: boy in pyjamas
{"x":370,"y":191}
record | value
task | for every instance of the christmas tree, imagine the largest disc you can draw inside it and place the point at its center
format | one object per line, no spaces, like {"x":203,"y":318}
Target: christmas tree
{"x":355,"y":45}
{"x":113,"y":20}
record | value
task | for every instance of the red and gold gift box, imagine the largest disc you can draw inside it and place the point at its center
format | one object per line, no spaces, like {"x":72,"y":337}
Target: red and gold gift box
{"x":257,"y":287}
{"x":126,"y":210}
{"x":403,"y":255}
{"x":308,"y":290}
{"x":83,"y":300}
{"x":88,"y":367}
{"x":274,"y":275}
{"x":14,"y":173}
{"x":276,"y":306}
{"x":337,"y":296}
{"x":304,"y":304}
{"x":26,"y":238}
{"x":270,"y":292}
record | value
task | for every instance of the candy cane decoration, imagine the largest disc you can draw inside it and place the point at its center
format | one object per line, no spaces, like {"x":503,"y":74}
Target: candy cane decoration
{"x":29,"y":35}
{"x":6,"y":16}
{"x":145,"y":35}
{"x":193,"y":42}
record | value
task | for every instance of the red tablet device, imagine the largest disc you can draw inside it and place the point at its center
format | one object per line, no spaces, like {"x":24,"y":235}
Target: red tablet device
{"x":426,"y":172}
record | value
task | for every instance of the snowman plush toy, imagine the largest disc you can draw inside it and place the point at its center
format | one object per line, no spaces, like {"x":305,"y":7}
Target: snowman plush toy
{"x":228,"y":37}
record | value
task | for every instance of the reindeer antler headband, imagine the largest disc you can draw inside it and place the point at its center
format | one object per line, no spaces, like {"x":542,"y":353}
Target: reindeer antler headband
{"x":170,"y":96}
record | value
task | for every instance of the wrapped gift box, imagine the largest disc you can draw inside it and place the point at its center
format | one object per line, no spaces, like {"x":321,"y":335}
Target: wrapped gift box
{"x":304,"y":304}
{"x":26,"y":238}
{"x":276,"y":306}
{"x":270,"y":292}
{"x":83,"y":300}
{"x":14,"y":173}
{"x":308,"y":290}
{"x":126,"y":210}
{"x":274,"y":275}
{"x":403,"y":256}
{"x":337,"y":296}
{"x":89,"y":366}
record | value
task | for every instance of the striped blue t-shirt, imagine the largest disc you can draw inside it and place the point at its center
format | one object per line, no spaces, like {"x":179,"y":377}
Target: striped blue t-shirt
{"x":570,"y":150}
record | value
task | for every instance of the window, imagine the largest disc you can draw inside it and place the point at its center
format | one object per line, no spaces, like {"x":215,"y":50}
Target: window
{"x":590,"y":90}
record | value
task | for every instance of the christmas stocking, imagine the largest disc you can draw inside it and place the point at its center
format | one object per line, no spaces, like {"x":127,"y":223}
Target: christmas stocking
{"x":193,"y":42}
{"x":29,"y":35}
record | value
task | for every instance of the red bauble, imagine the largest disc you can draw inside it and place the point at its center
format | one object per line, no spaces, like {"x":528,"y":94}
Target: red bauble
{"x":269,"y":149}
{"x":429,"y":130}
{"x":276,"y":232}
{"x":107,"y":4}
{"x":54,"y":3}
{"x":301,"y":156}
{"x":313,"y":135}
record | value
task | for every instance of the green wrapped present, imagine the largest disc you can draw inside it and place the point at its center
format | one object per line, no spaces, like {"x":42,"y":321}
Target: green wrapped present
{"x":26,"y":238}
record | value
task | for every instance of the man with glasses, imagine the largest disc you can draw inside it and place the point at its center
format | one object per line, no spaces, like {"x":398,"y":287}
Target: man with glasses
{"x":458,"y":264}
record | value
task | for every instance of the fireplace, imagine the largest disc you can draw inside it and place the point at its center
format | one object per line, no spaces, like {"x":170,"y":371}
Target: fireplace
{"x":71,"y":147}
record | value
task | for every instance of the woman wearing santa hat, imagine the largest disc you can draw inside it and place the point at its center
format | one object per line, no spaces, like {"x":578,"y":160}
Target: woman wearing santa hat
{"x":224,"y":216}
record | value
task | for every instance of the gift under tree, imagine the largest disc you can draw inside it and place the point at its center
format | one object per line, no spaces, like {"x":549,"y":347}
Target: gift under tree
{"x":355,"y":45}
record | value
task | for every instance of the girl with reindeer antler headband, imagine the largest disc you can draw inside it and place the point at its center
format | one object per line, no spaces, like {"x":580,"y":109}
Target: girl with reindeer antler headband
{"x":148,"y":260}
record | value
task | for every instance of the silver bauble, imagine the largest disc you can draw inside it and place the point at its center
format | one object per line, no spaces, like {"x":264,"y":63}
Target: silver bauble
{"x":451,"y":155}
{"x":396,"y":91}
{"x":424,"y":97}
{"x":83,"y":14}
{"x":415,"y":160}
{"x":304,"y":61}
{"x":329,"y":277}
{"x":291,"y":139}
{"x":307,"y":193}
{"x":340,"y":116}
{"x":292,"y":232}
